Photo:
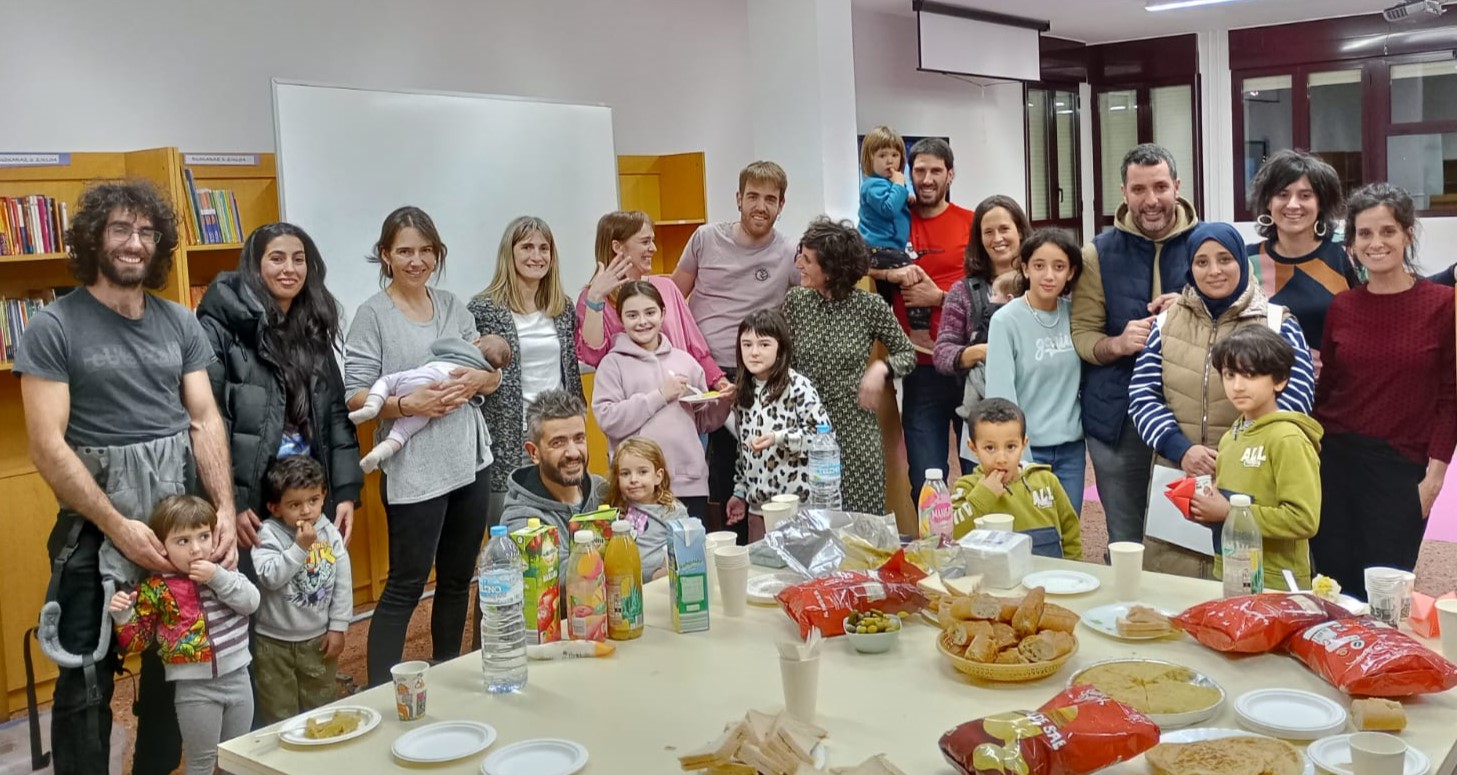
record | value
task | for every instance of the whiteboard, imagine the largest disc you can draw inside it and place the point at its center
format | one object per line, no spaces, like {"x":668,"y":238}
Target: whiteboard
{"x":349,"y":156}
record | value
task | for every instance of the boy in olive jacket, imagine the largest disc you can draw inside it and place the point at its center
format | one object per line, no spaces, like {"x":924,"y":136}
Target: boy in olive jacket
{"x":1003,"y":484}
{"x":1270,"y":455}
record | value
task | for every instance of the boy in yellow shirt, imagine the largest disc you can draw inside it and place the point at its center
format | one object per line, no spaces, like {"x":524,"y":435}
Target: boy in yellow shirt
{"x":1004,"y":484}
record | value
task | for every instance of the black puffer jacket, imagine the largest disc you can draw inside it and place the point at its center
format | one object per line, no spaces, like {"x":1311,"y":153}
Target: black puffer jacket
{"x":248,"y":386}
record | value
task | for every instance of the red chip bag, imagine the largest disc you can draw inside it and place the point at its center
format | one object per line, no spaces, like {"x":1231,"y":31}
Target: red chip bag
{"x":1077,"y":732}
{"x":1363,"y":656}
{"x":825,"y":602}
{"x":1255,"y":624}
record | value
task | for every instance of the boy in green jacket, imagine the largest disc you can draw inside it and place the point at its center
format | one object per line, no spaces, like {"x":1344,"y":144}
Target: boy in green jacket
{"x":1003,"y":484}
{"x":1269,"y":455}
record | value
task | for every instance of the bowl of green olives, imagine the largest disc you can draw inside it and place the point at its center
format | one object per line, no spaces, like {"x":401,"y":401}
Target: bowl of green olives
{"x":872,"y":632}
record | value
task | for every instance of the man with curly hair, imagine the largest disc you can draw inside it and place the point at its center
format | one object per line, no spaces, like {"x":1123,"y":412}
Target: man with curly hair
{"x":120,"y":415}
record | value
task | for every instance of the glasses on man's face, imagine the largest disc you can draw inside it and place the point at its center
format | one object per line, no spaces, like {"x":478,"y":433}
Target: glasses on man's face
{"x":122,"y":232}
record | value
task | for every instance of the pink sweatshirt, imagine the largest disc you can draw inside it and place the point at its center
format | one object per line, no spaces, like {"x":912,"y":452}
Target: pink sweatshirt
{"x":627,"y":402}
{"x":678,"y":326}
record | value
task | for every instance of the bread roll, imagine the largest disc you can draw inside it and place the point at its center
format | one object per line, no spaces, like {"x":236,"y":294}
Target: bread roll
{"x":1010,"y":656}
{"x":1027,"y":615}
{"x":982,"y":649}
{"x":1378,"y":715}
{"x":1004,"y":635}
{"x":1036,"y":648}
{"x":963,"y":633}
{"x":984,"y":606}
{"x":1055,"y":617}
{"x":963,"y":608}
{"x":1062,"y":642}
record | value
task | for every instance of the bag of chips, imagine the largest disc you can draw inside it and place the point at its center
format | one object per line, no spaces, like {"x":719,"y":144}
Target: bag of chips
{"x":1080,"y":731}
{"x":1255,"y":624}
{"x":825,"y":602}
{"x":1366,"y":657}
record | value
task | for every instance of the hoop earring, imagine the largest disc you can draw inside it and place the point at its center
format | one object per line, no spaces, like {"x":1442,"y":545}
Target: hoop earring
{"x":1265,"y":220}
{"x":1320,"y":229}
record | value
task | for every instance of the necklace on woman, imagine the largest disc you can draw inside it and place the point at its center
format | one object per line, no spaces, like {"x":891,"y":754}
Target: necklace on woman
{"x":1056,"y":316}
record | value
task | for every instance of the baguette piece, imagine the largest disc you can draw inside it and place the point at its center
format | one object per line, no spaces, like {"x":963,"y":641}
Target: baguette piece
{"x":980,"y":606}
{"x":1027,"y":615}
{"x":1055,"y":617}
{"x":1036,"y":648}
{"x":720,"y":751}
{"x":982,"y":649}
{"x":1004,"y":635}
{"x":963,"y":633}
{"x":1378,"y":715}
{"x":1010,"y":656}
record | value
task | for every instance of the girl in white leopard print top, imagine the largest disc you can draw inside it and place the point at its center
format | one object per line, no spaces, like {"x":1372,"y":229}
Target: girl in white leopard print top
{"x":777,"y":411}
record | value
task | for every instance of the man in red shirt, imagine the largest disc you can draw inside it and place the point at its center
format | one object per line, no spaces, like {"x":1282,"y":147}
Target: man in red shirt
{"x":939,"y":233}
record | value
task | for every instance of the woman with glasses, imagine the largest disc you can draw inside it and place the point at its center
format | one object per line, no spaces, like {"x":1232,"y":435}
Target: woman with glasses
{"x":436,"y":491}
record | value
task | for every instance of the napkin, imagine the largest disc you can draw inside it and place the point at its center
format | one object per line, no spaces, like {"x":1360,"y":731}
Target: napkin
{"x":1423,"y":619}
{"x":1180,"y":492}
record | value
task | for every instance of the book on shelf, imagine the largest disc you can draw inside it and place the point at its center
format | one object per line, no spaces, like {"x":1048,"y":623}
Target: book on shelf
{"x":212,"y":214}
{"x":15,"y":315}
{"x":31,"y":225}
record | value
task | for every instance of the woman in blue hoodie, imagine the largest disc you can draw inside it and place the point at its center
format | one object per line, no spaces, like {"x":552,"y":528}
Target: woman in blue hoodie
{"x":1176,"y":399}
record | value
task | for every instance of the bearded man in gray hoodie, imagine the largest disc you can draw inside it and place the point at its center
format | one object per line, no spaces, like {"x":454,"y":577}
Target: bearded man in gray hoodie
{"x":557,"y":485}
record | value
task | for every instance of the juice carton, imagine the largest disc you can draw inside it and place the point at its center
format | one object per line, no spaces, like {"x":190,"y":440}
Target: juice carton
{"x":687,"y":575}
{"x":540,"y":547}
{"x":599,"y":522}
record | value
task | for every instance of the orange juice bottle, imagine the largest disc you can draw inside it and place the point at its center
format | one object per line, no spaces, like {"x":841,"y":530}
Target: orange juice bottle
{"x":624,"y":584}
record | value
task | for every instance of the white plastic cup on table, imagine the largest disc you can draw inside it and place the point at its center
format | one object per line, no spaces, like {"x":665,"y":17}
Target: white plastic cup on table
{"x":774,"y":513}
{"x":732,"y":565}
{"x":997,"y":522}
{"x":1388,"y":590}
{"x":1126,"y":557}
{"x":1447,"y":623}
{"x":789,"y":498}
{"x":711,"y":542}
{"x":409,"y":680}
{"x":801,"y":686}
{"x":1377,"y":753}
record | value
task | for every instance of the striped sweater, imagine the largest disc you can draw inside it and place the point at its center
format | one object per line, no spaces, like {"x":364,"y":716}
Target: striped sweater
{"x":1157,"y":425}
{"x":201,"y":630}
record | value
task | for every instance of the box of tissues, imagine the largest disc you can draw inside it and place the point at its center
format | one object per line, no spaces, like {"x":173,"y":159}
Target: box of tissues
{"x":1423,"y":619}
{"x":1002,"y":558}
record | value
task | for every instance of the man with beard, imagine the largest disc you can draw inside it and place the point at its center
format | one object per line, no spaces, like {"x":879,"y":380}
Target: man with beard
{"x":120,"y":414}
{"x":557,"y":486}
{"x":727,"y":271}
{"x":1129,"y":273}
{"x":939,"y":233}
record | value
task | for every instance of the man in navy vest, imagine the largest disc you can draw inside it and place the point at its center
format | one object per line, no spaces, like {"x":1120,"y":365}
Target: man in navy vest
{"x":1128,"y":272}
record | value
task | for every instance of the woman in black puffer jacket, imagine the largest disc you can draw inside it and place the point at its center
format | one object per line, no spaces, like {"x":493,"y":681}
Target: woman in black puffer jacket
{"x":273,"y":326}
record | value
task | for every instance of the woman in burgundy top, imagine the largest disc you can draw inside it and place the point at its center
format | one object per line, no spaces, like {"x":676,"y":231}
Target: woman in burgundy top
{"x":1387,"y":397}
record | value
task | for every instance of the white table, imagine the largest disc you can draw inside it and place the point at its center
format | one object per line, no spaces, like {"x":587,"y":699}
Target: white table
{"x":667,"y":693}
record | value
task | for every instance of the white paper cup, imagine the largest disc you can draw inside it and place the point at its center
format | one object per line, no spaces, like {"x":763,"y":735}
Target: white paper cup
{"x":999,"y":522}
{"x":1388,"y":590}
{"x":1447,"y":623}
{"x":1126,"y":557}
{"x":801,"y":686}
{"x":1377,"y":753}
{"x":775,"y":512}
{"x":409,"y":680}
{"x":789,"y":498}
{"x":712,"y":542}
{"x":732,"y":566}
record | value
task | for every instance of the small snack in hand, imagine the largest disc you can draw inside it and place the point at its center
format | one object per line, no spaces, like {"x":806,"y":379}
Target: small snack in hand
{"x":1142,"y":620}
{"x":1378,"y":715}
{"x":1029,"y":613}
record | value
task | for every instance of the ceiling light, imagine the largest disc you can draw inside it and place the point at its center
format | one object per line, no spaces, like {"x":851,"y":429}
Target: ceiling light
{"x":1174,"y":5}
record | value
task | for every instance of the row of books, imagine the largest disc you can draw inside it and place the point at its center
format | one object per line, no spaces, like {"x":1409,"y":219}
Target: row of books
{"x":31,"y":225}
{"x":15,"y":315}
{"x":213,"y":215}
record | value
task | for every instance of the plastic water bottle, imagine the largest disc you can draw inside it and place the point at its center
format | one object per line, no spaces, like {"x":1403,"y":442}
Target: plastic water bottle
{"x":503,"y":622}
{"x":824,"y":470}
{"x":1243,"y":550}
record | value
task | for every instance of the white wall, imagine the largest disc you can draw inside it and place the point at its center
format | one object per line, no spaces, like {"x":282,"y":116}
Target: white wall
{"x":984,"y":122}
{"x":108,"y":76}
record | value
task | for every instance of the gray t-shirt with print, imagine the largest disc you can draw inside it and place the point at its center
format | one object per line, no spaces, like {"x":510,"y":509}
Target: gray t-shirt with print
{"x":733,"y":281}
{"x":125,"y":375}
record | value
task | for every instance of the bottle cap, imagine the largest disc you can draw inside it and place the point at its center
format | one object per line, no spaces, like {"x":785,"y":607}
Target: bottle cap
{"x":584,"y":537}
{"x":1242,"y":501}
{"x":498,"y":530}
{"x":824,"y":427}
{"x":621,"y":527}
{"x":934,"y":473}
{"x":533,"y":522}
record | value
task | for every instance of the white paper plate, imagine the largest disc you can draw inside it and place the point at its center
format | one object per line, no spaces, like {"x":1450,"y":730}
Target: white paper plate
{"x":1290,"y":714}
{"x":1343,"y":600}
{"x":1169,"y":720}
{"x":1333,"y":754}
{"x":536,"y":757}
{"x":1199,"y":735}
{"x":444,"y":741}
{"x":1061,"y":582}
{"x":1104,"y":619}
{"x":293,"y":733}
{"x":764,"y":587}
{"x":701,"y":398}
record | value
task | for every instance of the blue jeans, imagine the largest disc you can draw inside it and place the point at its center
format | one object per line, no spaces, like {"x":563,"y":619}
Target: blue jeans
{"x":1123,"y":471}
{"x":928,"y":415}
{"x":1070,"y":463}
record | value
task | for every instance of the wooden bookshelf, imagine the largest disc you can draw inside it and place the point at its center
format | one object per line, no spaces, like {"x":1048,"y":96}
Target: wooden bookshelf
{"x":670,"y":188}
{"x":254,"y":186}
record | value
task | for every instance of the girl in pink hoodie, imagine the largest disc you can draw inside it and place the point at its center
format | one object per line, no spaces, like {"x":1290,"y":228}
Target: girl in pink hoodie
{"x":647,"y":387}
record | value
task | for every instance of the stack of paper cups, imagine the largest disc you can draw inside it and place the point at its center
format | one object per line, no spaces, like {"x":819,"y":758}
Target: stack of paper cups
{"x":711,"y":543}
{"x":732,"y":565}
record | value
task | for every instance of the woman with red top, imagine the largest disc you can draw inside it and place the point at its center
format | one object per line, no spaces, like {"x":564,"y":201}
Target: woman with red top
{"x":1387,"y":397}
